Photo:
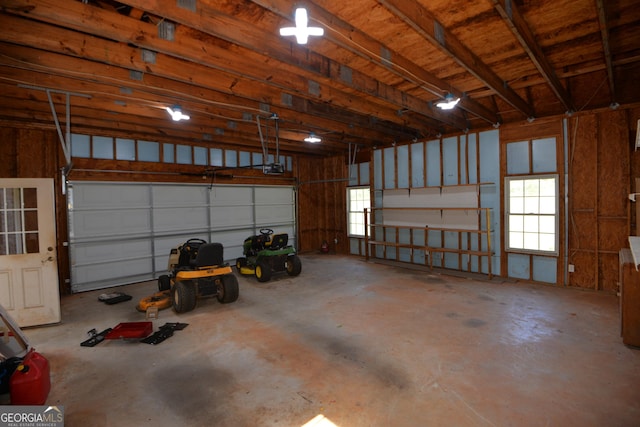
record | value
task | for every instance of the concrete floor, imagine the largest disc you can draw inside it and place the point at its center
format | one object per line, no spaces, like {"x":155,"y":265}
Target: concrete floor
{"x":358,"y":344}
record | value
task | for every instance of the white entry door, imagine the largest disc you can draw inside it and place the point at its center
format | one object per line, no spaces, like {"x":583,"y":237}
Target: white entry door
{"x":28,"y":266}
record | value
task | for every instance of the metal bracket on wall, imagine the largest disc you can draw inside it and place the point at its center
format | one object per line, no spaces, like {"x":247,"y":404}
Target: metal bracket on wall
{"x":65,"y":140}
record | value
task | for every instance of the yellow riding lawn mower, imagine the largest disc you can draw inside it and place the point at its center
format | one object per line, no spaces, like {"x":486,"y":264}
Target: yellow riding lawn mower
{"x":197,"y":269}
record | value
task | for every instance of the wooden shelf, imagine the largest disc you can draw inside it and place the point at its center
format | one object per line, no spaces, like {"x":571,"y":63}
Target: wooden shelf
{"x":430,"y":250}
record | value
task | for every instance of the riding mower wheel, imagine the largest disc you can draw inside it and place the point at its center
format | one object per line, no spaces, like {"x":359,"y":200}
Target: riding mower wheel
{"x":228,"y":289}
{"x":183,"y":295}
{"x":263,"y":271}
{"x":293,"y":265}
{"x":241,"y":262}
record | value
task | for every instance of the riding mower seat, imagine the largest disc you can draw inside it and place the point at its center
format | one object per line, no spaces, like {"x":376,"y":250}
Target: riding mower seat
{"x":278,"y":241}
{"x":209,"y":255}
{"x":187,"y":254}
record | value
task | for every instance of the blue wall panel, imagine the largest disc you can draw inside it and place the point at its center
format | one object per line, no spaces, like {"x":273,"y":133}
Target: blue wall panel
{"x":450,"y":160}
{"x":389,"y":168}
{"x":544,"y":269}
{"x":462,"y":149}
{"x":403,"y":166}
{"x":364,"y":173}
{"x":518,"y":157}
{"x":544,"y":155}
{"x":353,"y":175}
{"x":417,"y":165}
{"x":377,"y":170}
{"x":433,"y":163}
{"x":489,"y":147}
{"x":518,"y":266}
{"x":472,"y":150}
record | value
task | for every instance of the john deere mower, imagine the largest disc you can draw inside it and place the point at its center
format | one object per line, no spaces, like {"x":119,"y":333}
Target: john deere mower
{"x":266,"y":253}
{"x":197,"y":269}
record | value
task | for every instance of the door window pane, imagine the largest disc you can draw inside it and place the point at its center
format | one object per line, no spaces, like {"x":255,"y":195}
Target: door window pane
{"x":18,"y":221}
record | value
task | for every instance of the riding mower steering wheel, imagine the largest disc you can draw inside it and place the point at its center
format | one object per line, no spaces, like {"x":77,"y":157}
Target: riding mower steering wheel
{"x":266,"y":231}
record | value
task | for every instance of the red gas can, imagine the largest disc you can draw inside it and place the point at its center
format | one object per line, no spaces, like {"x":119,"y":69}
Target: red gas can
{"x":31,"y":382}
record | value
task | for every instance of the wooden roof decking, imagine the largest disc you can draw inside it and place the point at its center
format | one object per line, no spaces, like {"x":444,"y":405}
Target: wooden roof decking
{"x":373,"y":79}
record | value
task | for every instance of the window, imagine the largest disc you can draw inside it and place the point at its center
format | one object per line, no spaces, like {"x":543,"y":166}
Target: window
{"x":532,"y":214}
{"x":80,"y":145}
{"x":168,"y":153}
{"x":125,"y":149}
{"x":200,"y":156}
{"x":183,"y":154}
{"x":148,"y":151}
{"x":102,"y":147}
{"x":358,"y":199}
{"x":19,"y":221}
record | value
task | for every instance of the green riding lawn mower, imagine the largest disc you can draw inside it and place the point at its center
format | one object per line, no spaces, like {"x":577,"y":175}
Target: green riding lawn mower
{"x":197,"y":269}
{"x":266,"y":253}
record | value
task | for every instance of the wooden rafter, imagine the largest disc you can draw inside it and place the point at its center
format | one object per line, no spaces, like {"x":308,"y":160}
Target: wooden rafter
{"x":520,"y":29}
{"x":423,"y":22}
{"x":144,"y":35}
{"x":211,"y":22}
{"x":361,"y":44}
{"x":604,"y":30}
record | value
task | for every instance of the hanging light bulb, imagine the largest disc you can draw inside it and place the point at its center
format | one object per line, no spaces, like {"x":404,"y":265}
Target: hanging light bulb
{"x":301,"y":31}
{"x":313,"y":138}
{"x":176,"y":113}
{"x":449,"y":102}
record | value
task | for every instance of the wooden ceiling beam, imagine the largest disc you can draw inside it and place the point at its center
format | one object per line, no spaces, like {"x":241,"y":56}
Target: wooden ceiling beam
{"x":521,"y":30}
{"x":210,"y":21}
{"x":422,"y":21}
{"x":213,"y":53}
{"x":357,"y":42}
{"x":141,"y":124}
{"x":604,"y":31}
{"x":87,"y":118}
{"x":119,"y":55}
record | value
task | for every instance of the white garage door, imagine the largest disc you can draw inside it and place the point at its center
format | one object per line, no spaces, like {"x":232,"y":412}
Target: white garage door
{"x":122,"y":233}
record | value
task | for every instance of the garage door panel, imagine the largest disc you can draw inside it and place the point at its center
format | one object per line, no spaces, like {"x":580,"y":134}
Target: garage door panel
{"x":274,"y":214}
{"x":109,"y":223}
{"x":274,"y":195}
{"x":129,"y":237}
{"x":115,"y":263}
{"x":88,"y":278}
{"x":107,"y":196}
{"x":180,"y":195}
{"x":232,"y":196}
{"x":110,"y":252}
{"x":231,"y":216}
{"x":185,"y":218}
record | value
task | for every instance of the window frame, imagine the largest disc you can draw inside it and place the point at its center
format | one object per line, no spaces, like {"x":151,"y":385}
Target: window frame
{"x":508,"y":213}
{"x":350,"y":212}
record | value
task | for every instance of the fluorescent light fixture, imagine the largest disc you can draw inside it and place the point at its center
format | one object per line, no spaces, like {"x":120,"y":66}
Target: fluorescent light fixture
{"x":301,"y":31}
{"x":313,"y":138}
{"x":449,"y":102}
{"x":176,"y":113}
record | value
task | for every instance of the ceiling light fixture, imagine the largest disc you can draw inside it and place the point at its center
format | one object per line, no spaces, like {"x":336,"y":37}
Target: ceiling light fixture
{"x":176,"y":113}
{"x":449,"y":102}
{"x":313,"y":138}
{"x":301,"y":31}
